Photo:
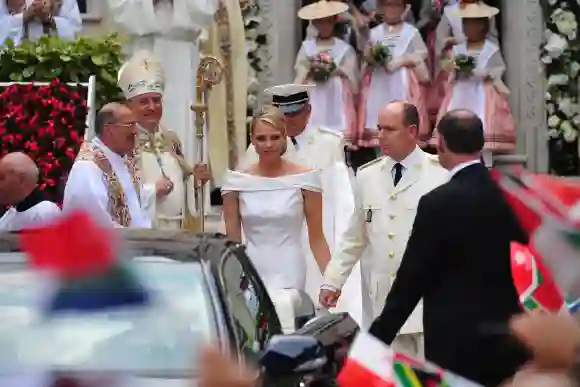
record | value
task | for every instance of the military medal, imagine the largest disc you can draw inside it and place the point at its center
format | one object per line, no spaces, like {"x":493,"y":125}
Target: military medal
{"x":369,"y":216}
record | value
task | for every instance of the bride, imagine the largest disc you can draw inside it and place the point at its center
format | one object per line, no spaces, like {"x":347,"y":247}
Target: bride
{"x":271,"y":200}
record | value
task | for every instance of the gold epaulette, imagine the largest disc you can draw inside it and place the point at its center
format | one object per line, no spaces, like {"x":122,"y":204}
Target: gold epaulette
{"x":369,"y":163}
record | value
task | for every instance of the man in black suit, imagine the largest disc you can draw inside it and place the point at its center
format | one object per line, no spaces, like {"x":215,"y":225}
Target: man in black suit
{"x":458,"y":261}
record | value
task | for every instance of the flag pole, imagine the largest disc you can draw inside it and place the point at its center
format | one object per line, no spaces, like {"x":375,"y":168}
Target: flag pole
{"x":209,"y":74}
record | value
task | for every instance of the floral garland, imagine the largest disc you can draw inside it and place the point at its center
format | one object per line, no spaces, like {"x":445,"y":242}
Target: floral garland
{"x":48,"y":124}
{"x":255,"y":44}
{"x":561,"y":59}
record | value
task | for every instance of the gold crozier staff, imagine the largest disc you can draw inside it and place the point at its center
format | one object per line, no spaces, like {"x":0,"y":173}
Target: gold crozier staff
{"x":209,"y":74}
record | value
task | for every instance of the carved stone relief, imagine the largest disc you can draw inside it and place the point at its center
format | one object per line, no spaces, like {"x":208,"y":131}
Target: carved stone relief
{"x":523,"y":31}
{"x":281,"y":24}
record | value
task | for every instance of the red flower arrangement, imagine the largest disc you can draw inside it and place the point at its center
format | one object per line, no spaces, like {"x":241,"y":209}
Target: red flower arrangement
{"x":48,"y":124}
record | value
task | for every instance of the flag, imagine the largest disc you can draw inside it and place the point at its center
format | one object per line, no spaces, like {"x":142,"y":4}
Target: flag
{"x":536,"y":288}
{"x":548,"y":207}
{"x":369,"y":363}
{"x":82,"y":257}
{"x":372,"y":363}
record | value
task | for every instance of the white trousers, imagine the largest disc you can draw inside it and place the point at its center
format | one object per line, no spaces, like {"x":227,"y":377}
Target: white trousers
{"x":410,"y":344}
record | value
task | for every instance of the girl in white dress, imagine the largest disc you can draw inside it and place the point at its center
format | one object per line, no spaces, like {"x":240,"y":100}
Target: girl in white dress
{"x":271,"y":200}
{"x":402,"y":77}
{"x":332,"y":98}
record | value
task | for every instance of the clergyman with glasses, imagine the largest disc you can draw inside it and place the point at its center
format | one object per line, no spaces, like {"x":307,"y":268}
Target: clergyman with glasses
{"x":104,"y":178}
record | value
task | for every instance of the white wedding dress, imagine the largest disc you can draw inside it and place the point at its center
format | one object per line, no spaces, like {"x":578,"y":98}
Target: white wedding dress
{"x":272,"y":215}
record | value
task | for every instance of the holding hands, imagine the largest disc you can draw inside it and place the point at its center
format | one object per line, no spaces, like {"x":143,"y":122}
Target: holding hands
{"x":328,"y":298}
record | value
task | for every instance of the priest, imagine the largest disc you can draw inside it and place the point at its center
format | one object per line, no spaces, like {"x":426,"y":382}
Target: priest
{"x":323,"y":149}
{"x":170,"y":30}
{"x":31,"y":19}
{"x":27,"y":207}
{"x":104,"y":178}
{"x":160,"y":153}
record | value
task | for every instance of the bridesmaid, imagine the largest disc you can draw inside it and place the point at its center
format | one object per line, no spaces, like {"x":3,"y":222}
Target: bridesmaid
{"x":482,"y":89}
{"x":400,"y":78}
{"x":448,"y":33}
{"x":332,"y":98}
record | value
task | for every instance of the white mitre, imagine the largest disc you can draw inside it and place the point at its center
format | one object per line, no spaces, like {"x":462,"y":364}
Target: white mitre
{"x":141,"y":74}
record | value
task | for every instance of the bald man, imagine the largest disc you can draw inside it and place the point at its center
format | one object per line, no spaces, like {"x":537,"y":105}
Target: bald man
{"x":19,"y":190}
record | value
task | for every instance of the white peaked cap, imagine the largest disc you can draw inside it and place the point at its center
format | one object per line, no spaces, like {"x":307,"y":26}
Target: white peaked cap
{"x":288,"y":89}
{"x":290,"y":97}
{"x":141,"y":74}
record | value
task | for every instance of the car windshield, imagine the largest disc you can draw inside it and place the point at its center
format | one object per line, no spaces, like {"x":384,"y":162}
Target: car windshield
{"x":161,"y":338}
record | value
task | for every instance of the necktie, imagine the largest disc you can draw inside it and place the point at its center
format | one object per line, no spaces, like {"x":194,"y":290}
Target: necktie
{"x":294,"y":142}
{"x":398,"y":173}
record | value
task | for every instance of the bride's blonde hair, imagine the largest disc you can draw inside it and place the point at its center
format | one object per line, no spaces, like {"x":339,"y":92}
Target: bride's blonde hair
{"x":271,"y":115}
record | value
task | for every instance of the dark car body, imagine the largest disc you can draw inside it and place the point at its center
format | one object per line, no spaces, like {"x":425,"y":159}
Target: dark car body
{"x":251,"y":332}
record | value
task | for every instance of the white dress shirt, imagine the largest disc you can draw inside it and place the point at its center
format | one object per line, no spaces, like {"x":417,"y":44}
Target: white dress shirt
{"x":461,"y":166}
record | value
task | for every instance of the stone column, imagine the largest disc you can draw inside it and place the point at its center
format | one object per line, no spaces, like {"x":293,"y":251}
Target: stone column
{"x":281,"y":25}
{"x":523,"y":28}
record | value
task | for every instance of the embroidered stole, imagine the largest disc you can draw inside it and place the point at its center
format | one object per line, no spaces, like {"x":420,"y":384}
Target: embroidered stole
{"x":118,"y":208}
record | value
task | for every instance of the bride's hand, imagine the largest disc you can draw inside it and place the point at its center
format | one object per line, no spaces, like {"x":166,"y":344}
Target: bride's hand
{"x":328,"y":298}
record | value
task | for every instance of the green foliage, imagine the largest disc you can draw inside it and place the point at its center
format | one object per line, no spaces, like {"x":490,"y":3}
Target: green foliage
{"x":69,"y":60}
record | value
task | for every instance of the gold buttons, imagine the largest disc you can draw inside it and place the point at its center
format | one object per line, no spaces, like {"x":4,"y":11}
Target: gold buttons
{"x":391,"y":235}
{"x":393,"y":197}
{"x":391,"y":254}
{"x":392,"y":216}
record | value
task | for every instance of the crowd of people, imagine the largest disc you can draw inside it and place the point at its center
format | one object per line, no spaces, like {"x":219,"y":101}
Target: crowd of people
{"x":414,"y":246}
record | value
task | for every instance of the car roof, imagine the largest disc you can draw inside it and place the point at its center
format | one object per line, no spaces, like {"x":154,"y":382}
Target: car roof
{"x":179,"y":245}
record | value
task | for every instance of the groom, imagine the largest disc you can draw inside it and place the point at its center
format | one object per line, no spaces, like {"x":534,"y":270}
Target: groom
{"x":321,"y":149}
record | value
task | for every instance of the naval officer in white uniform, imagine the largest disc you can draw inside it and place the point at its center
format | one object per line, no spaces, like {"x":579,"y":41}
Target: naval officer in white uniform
{"x":387,"y":193}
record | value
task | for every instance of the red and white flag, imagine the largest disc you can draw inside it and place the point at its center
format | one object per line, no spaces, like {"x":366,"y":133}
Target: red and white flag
{"x":372,"y":363}
{"x":368,"y":364}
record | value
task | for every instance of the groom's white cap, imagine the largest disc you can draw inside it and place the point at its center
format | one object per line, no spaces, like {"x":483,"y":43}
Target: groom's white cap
{"x":141,"y":74}
{"x":290,"y":97}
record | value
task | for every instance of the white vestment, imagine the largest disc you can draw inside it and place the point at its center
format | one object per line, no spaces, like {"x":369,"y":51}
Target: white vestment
{"x":68,"y":23}
{"x":157,"y":158}
{"x":171,"y":32}
{"x":39,"y":215}
{"x":323,"y":150}
{"x":86,"y":189}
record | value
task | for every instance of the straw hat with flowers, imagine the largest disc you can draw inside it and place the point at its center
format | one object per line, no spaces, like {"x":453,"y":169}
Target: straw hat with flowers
{"x":477,"y":11}
{"x":322,"y":9}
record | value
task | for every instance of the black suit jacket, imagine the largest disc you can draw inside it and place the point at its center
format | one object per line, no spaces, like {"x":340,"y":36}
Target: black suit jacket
{"x":458,"y":261}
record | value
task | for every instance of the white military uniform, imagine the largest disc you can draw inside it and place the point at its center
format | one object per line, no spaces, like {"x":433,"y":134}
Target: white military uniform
{"x":382,"y":223}
{"x":321,"y":149}
{"x":160,"y":153}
